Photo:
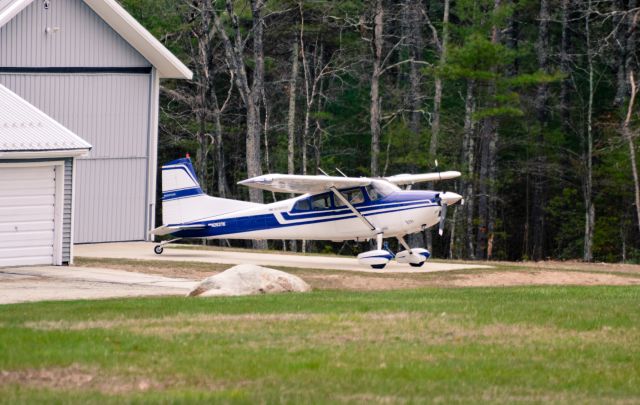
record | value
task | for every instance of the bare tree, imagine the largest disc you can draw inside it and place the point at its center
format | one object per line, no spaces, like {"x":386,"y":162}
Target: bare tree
{"x":541,"y":100}
{"x":626,"y":132}
{"x":468,"y":151}
{"x":590,"y":212}
{"x":377,"y":43}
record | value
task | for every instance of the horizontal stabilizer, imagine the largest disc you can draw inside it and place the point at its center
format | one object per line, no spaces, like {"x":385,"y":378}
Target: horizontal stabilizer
{"x":168,"y":229}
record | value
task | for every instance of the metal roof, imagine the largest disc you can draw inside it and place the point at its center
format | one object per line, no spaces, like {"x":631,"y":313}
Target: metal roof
{"x":23,"y":127}
{"x":167,"y":64}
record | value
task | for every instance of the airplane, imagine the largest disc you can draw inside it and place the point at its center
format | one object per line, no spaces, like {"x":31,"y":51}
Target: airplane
{"x":329,"y":208}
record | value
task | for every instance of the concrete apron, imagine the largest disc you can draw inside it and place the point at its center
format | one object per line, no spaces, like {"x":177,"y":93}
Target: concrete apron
{"x":26,"y":284}
{"x":144,"y":251}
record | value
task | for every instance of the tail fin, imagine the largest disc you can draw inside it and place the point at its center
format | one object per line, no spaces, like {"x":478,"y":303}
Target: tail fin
{"x":184,"y":201}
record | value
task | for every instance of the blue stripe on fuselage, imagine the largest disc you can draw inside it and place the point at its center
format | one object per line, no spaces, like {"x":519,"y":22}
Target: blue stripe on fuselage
{"x":253,"y":223}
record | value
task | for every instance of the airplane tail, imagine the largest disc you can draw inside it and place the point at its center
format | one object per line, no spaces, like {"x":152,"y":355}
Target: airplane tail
{"x":183,"y":201}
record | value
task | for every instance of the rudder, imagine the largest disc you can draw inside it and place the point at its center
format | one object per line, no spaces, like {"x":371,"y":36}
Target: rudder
{"x":184,"y":201}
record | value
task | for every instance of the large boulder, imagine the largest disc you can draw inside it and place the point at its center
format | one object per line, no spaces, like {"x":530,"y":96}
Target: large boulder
{"x":248,"y":279}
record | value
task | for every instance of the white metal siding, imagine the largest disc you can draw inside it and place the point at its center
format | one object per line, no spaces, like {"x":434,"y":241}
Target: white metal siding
{"x":110,"y":205}
{"x":27,"y":215}
{"x":111,"y":112}
{"x":83,"y":39}
{"x":66,"y":214}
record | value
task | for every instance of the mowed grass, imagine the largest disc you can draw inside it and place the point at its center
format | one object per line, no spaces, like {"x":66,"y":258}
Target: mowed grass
{"x":471,"y":345}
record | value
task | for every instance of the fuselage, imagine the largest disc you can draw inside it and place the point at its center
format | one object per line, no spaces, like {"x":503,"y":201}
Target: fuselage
{"x":324,"y":217}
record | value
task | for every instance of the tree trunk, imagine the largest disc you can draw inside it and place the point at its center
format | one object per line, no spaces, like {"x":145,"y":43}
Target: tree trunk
{"x":254,"y":125}
{"x":488,"y":154}
{"x":542,"y":116}
{"x":621,"y":33}
{"x":565,"y":64}
{"x":468,"y":147}
{"x":291,"y":125}
{"x":437,"y":98}
{"x":377,"y":43}
{"x":589,"y":222}
{"x":219,"y":147}
{"x":413,"y":25}
{"x":626,"y":131}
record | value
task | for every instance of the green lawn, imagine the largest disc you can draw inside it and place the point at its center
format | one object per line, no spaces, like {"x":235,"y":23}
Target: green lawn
{"x":529,"y":344}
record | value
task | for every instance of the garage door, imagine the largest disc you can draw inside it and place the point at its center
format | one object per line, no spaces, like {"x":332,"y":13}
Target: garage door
{"x":27,"y":213}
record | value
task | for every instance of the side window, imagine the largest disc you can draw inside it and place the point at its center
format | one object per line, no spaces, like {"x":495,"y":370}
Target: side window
{"x":302,"y":205}
{"x":321,"y":202}
{"x":373,"y":194}
{"x":354,"y":197}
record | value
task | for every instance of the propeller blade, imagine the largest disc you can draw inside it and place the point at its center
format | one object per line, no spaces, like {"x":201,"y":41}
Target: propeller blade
{"x":443,"y":216}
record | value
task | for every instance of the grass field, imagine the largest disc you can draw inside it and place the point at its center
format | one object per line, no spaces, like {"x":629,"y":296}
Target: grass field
{"x":460,"y":345}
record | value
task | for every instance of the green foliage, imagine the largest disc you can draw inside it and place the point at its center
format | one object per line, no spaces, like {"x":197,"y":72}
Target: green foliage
{"x":507,"y":79}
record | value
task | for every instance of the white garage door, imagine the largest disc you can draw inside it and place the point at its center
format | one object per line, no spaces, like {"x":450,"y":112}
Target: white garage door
{"x":27,"y":212}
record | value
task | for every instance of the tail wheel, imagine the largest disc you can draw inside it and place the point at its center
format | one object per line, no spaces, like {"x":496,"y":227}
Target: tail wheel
{"x":158,"y":249}
{"x":416,"y":264}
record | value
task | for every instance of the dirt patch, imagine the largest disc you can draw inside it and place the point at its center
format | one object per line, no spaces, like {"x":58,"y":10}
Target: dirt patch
{"x":77,"y":377}
{"x":192,"y":270}
{"x":575,"y":265}
{"x":518,"y":278}
{"x":540,"y":273}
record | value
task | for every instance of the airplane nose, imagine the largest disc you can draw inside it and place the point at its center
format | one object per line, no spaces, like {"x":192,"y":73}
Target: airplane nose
{"x":450,"y":198}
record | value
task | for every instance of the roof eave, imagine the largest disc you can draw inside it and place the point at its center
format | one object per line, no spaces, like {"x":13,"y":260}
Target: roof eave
{"x":42,"y":154}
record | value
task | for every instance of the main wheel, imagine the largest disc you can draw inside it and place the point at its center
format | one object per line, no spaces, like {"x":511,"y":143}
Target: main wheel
{"x":416,"y":264}
{"x":378,"y":266}
{"x":158,"y":249}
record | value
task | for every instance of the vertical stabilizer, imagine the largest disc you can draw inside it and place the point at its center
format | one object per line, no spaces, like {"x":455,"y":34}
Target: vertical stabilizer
{"x":183,"y":200}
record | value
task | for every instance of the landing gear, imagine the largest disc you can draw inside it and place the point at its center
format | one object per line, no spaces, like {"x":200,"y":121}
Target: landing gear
{"x":414,"y":257}
{"x":158,"y":249}
{"x":378,"y":258}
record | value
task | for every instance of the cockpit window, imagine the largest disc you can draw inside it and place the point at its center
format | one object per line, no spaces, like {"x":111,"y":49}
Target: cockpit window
{"x":380,"y":189}
{"x":373,"y":194}
{"x":354,"y":196}
{"x":302,"y":205}
{"x":321,"y":202}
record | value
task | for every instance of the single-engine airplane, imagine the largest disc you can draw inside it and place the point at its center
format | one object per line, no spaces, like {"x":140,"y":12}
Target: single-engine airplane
{"x":330,"y":208}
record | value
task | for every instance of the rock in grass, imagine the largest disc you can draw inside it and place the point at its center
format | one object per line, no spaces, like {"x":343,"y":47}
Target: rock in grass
{"x":248,"y":279}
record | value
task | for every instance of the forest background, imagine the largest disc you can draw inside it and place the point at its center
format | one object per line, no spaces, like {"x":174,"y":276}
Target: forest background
{"x":532,"y":100}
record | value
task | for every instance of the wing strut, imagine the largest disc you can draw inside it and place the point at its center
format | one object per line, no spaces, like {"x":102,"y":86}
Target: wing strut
{"x":352,"y":208}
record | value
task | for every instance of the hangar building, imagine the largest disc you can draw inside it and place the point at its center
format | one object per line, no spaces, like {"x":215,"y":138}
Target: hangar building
{"x":93,"y":68}
{"x":37,"y":161}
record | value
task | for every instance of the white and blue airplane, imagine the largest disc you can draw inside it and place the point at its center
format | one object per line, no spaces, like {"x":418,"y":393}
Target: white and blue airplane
{"x":330,"y":208}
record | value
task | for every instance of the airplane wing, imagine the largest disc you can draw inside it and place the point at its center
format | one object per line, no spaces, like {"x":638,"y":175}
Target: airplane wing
{"x":298,"y":184}
{"x":403,"y":179}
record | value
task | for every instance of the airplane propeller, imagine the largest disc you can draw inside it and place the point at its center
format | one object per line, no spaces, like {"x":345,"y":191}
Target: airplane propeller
{"x":445,"y":199}
{"x":443,"y":216}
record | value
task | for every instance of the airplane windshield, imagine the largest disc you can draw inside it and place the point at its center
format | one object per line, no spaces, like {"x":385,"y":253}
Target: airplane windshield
{"x":380,"y":189}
